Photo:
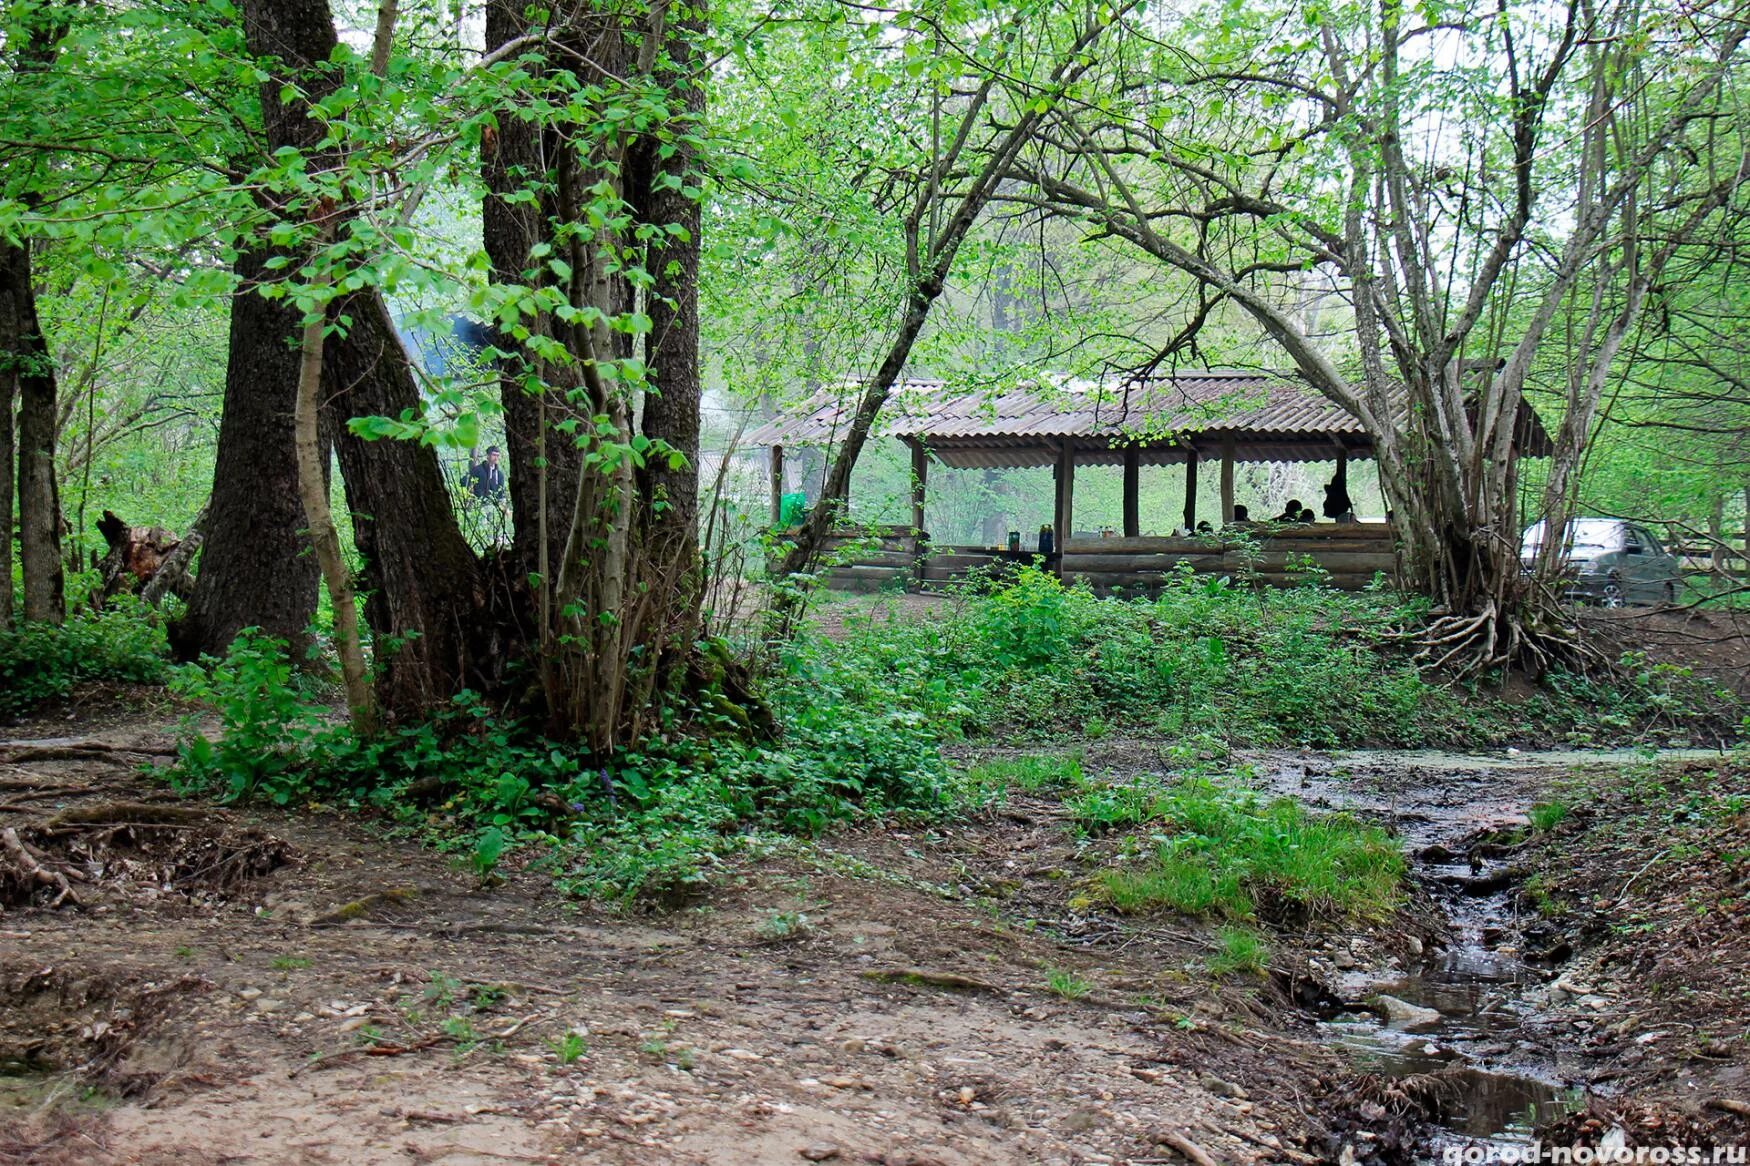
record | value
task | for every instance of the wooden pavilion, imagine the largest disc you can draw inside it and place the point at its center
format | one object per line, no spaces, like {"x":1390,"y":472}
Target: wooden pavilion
{"x":1187,"y":419}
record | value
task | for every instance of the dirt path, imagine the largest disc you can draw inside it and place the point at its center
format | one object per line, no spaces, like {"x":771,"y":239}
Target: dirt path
{"x":267,"y":987}
{"x":882,"y":998}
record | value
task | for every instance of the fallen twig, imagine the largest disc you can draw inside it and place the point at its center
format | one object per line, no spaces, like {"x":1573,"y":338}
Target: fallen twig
{"x":519,"y":1025}
{"x":1191,"y":1150}
{"x":1622,"y":895}
{"x":327,"y":1060}
{"x":1730,"y":1105}
{"x":1268,"y":1142}
{"x":425,"y":1115}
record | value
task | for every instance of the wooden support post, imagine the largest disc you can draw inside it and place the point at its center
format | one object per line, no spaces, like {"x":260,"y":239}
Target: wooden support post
{"x":1227,"y":480}
{"x":1065,"y":516}
{"x":920,"y":473}
{"x":1132,"y":488}
{"x":1191,"y":489}
{"x":920,"y":476}
{"x":777,"y":484}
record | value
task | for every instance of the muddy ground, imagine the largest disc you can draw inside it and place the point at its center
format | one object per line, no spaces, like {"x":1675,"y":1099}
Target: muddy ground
{"x":243,"y":985}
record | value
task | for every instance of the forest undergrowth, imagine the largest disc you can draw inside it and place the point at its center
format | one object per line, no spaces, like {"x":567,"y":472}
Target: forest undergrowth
{"x":864,"y":723}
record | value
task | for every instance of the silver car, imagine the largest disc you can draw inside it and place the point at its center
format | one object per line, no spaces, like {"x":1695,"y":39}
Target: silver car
{"x":1612,"y":562}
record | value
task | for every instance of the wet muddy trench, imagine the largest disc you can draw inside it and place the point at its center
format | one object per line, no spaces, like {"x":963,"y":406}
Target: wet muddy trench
{"x":1463,"y":1007}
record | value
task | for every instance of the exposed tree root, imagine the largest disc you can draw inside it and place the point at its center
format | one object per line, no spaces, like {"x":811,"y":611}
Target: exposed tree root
{"x":953,"y":981}
{"x":127,"y":814}
{"x":1531,"y":638}
{"x":27,"y":868}
{"x":186,"y":849}
{"x":25,"y":752}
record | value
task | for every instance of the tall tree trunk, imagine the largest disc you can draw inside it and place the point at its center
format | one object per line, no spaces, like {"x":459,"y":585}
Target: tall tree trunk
{"x":590,"y":624}
{"x":425,"y":588}
{"x":256,"y":566}
{"x":27,"y":371}
{"x":8,"y":484}
{"x":620,"y":545}
{"x":1716,"y":531}
{"x":424,"y":584}
{"x":544,"y":462}
{"x":25,"y":359}
{"x":669,"y":494}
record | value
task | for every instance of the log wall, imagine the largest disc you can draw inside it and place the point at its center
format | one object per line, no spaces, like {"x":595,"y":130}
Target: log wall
{"x":1352,"y":553}
{"x":884,"y":559}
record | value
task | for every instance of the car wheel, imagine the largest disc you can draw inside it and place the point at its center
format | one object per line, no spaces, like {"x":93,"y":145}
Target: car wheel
{"x":1612,"y":594}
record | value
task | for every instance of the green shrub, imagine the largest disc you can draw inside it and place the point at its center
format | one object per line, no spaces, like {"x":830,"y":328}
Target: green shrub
{"x":1305,"y":665}
{"x":652,"y":820}
{"x":268,"y":725}
{"x":1040,"y":660}
{"x":40,"y":662}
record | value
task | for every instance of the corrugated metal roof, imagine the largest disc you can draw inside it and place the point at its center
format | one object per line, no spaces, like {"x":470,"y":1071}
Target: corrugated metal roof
{"x":1225,"y":400}
{"x":1270,"y":416}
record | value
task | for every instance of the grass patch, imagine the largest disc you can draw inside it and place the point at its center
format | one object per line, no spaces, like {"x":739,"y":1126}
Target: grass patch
{"x":991,"y":778}
{"x":1548,"y":815}
{"x":1066,"y":984}
{"x":1233,"y":855}
{"x":568,"y":1048}
{"x":1188,"y":886}
{"x":1238,"y":949}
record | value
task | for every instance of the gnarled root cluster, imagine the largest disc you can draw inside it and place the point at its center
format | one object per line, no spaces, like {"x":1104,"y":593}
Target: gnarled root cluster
{"x":1529,"y":638}
{"x":24,"y":871}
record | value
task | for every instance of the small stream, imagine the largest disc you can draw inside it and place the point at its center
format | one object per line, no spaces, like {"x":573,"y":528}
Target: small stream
{"x":1482,"y":1032}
